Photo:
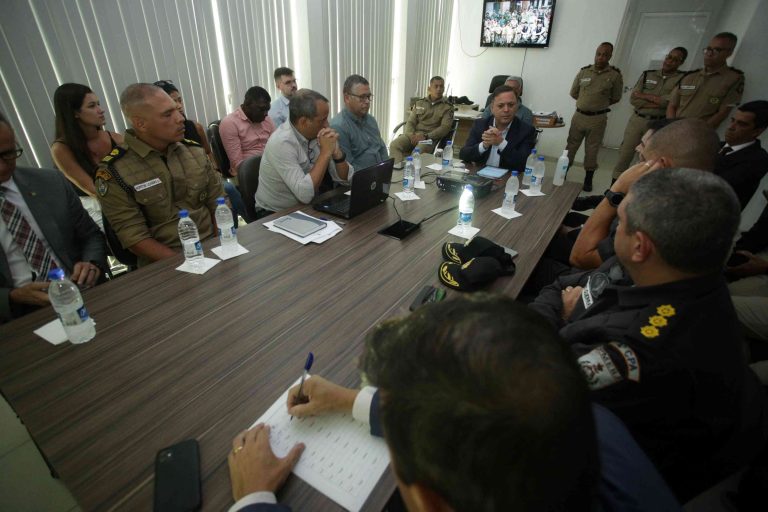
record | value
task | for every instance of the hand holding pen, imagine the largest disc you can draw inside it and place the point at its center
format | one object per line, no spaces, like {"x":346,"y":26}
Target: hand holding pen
{"x":320,"y":396}
{"x":300,"y":397}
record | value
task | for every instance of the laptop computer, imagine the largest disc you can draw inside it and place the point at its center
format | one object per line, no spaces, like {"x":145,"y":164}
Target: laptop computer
{"x":370,"y":187}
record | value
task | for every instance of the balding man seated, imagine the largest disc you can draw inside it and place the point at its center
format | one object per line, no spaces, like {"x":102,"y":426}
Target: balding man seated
{"x":145,"y":182}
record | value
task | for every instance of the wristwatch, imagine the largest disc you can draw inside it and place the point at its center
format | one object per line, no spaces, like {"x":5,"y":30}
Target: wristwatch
{"x":339,"y":160}
{"x":614,"y":198}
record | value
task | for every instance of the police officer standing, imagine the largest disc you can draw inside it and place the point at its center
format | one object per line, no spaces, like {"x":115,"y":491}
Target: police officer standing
{"x":144,"y":183}
{"x":710,"y":93}
{"x":595,"y":88}
{"x":650,"y":97}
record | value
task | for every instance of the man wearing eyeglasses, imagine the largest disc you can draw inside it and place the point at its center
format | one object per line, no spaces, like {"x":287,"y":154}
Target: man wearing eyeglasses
{"x":710,"y":93}
{"x":359,"y":135}
{"x":43,"y":226}
{"x":649,"y":97}
{"x":245,"y":131}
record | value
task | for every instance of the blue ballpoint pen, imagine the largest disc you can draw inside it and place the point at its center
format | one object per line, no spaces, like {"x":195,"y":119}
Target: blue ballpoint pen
{"x":300,"y":398}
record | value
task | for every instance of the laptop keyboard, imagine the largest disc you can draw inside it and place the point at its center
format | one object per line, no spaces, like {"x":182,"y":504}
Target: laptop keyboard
{"x":342,"y":204}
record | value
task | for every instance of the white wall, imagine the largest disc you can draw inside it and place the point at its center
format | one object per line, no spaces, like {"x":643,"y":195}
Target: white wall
{"x":579,"y":26}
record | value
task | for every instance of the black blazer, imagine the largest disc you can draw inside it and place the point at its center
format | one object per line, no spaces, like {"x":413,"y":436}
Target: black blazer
{"x":743,"y":170}
{"x":521,"y":137}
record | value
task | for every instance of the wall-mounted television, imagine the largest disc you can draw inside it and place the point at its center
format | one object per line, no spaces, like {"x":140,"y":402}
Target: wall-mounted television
{"x":517,"y":23}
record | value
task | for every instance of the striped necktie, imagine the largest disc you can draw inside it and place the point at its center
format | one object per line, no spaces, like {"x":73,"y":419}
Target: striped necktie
{"x":38,"y":257}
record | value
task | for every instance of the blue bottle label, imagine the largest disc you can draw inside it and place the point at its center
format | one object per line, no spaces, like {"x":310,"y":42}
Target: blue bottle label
{"x":529,"y":171}
{"x":83,"y":314}
{"x":466,"y":217}
{"x":198,"y":247}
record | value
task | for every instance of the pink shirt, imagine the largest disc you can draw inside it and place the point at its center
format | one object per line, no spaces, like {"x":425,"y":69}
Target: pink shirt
{"x":243,"y":139}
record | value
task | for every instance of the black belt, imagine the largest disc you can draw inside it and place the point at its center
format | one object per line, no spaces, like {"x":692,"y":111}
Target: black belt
{"x":646,"y":116}
{"x":597,"y":113}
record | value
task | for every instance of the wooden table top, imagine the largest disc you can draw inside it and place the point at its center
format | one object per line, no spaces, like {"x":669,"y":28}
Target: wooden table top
{"x":180,"y":356}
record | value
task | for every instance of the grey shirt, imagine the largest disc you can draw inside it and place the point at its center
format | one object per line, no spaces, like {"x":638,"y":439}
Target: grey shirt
{"x":278,"y":111}
{"x":360,"y":139}
{"x":284,"y":179}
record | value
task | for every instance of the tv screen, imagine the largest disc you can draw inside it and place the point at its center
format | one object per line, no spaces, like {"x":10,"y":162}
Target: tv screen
{"x":517,"y":23}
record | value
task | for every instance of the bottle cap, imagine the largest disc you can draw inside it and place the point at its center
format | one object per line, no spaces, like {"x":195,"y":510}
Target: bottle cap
{"x":409,"y":159}
{"x":515,"y":173}
{"x":541,"y":157}
{"x":468,"y":187}
{"x":449,"y":143}
{"x":183,"y":214}
{"x":56,"y":274}
{"x":220,"y":200}
{"x":416,"y":151}
{"x":533,"y":151}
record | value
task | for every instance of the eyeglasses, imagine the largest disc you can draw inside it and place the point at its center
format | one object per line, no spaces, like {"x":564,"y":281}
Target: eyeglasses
{"x":712,"y":49}
{"x":11,"y":154}
{"x":362,"y":97}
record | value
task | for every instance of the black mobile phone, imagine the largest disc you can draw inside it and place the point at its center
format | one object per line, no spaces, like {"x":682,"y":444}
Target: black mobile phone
{"x":177,"y":478}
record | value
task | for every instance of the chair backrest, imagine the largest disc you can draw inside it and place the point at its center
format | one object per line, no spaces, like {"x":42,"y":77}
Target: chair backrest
{"x":248,"y":182}
{"x":217,"y":148}
{"x":497,"y":81}
{"x":450,"y":135}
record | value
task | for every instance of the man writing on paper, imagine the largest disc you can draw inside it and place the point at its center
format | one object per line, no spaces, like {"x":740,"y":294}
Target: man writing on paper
{"x":455,"y":405}
{"x":502,"y":140}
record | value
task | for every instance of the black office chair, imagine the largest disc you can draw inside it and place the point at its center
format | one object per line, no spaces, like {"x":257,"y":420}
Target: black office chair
{"x":248,"y":179}
{"x":497,"y":81}
{"x":217,"y":148}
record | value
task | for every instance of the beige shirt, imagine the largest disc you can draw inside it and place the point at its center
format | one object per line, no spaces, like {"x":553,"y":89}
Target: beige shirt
{"x":595,"y":89}
{"x":702,"y":94}
{"x":654,"y":82}
{"x":154,"y":188}
{"x":434,"y":119}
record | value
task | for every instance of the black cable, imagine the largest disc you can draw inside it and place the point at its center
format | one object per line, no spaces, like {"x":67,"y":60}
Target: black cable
{"x":425,"y":219}
{"x":394,"y":203}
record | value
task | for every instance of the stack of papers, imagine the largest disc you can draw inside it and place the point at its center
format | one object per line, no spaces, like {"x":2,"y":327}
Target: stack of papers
{"x":329,"y":231}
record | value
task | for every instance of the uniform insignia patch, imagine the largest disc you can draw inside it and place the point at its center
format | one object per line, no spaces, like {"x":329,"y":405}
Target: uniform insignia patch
{"x":203,"y":195}
{"x":649,"y":331}
{"x":103,"y":174}
{"x":190,"y":142}
{"x":452,"y":253}
{"x":115,"y":154}
{"x":102,"y":187}
{"x":666,"y":310}
{"x":714,"y":100}
{"x":633,"y":363}
{"x":598,"y":369}
{"x":658,"y":321}
{"x":447,"y":277}
{"x":464,"y":266}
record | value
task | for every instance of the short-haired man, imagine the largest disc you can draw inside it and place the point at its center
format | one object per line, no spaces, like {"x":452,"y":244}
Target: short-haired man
{"x":656,"y":333}
{"x":690,"y":143}
{"x":300,"y":156}
{"x":502,"y":140}
{"x":285,"y":82}
{"x":443,"y":391}
{"x":359,"y":135}
{"x":711,"y":92}
{"x":523,"y":113}
{"x":742,"y":161}
{"x":43,"y":226}
{"x":649,"y":98}
{"x":595,"y":88}
{"x":431,"y":118}
{"x":144,"y":183}
{"x":245,"y":132}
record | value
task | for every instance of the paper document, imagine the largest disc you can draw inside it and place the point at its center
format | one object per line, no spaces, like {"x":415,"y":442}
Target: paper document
{"x":330,"y":230}
{"x":531,"y":193}
{"x":341,"y":460}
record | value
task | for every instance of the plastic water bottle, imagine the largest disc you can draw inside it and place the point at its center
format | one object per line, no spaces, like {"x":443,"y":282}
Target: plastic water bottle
{"x":561,"y":169}
{"x":416,"y":165}
{"x":466,"y":207}
{"x":448,"y":156}
{"x":529,"y":163}
{"x":190,"y":239}
{"x":226,"y":225}
{"x":408,"y":175}
{"x":538,"y":174}
{"x":510,"y":194}
{"x":68,"y":304}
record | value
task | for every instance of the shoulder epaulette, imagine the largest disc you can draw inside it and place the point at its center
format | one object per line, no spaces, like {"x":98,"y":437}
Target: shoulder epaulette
{"x":190,"y":142}
{"x":738,"y":71}
{"x":616,"y":69}
{"x":693,"y":71}
{"x":654,"y":322}
{"x":115,"y":154}
{"x":585,"y":67}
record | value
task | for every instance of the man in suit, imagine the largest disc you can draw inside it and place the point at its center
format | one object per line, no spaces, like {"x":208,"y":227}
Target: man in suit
{"x":503,"y":140}
{"x":43,"y":225}
{"x":741,"y":161}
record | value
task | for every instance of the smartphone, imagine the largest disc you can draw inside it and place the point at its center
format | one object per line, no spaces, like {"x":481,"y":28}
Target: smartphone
{"x":177,"y":478}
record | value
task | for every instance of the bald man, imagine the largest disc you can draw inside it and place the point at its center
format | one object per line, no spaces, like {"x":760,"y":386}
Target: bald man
{"x":144,"y":182}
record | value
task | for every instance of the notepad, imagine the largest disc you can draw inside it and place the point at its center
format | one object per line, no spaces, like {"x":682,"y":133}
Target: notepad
{"x":492,"y":172}
{"x":341,"y":460}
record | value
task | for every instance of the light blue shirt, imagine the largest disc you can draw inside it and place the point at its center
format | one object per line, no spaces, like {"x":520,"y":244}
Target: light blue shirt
{"x":360,"y":139}
{"x":278,"y":111}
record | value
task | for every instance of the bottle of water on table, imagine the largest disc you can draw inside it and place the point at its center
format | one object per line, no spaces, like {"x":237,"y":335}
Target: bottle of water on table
{"x":510,"y":194}
{"x":466,"y":207}
{"x":416,"y":165}
{"x":226,"y":225}
{"x":448,"y":156}
{"x":561,"y":170}
{"x":408,"y":175}
{"x":539,"y":168}
{"x":529,"y":163}
{"x":68,"y":304}
{"x":190,"y":239}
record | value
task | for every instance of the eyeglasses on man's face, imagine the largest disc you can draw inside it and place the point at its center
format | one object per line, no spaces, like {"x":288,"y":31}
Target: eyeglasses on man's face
{"x":11,"y":154}
{"x":716,"y":50}
{"x":362,"y":97}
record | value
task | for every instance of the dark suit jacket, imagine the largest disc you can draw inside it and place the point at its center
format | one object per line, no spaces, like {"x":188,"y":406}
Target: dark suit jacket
{"x":743,"y":170}
{"x":521,"y":137}
{"x":69,"y":230}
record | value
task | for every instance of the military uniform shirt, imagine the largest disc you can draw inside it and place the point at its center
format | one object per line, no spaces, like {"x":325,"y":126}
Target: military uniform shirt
{"x":654,"y":82}
{"x":434,"y":119}
{"x":701,"y":95}
{"x":142,"y":190}
{"x":596,"y":90}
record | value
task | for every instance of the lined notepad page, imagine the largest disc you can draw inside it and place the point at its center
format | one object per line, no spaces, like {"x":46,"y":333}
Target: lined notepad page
{"x":341,"y":460}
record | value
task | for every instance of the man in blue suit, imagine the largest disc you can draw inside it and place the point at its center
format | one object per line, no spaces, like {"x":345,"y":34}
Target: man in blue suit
{"x":502,"y":140}
{"x":42,"y":225}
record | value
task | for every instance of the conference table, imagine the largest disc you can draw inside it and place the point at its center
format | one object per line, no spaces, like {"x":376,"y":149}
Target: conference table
{"x":179,"y":356}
